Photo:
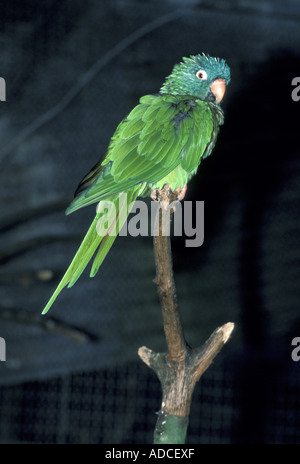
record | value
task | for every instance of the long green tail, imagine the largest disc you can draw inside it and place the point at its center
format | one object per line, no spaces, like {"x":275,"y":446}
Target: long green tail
{"x":92,"y":240}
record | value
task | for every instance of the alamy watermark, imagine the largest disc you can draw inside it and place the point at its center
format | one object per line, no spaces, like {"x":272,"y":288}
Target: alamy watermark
{"x":296,"y":351}
{"x":186,"y":220}
{"x":296,"y":91}
{"x":2,"y":349}
{"x":2,"y":89}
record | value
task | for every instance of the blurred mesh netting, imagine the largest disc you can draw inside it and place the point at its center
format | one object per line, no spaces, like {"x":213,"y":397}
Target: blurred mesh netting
{"x":73,"y":70}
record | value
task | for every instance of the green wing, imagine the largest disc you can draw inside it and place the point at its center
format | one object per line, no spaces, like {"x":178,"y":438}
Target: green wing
{"x":160,"y":133}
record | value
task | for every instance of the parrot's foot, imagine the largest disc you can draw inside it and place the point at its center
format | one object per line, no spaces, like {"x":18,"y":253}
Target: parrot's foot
{"x":181,"y":192}
{"x":154,"y":194}
{"x":167,"y":194}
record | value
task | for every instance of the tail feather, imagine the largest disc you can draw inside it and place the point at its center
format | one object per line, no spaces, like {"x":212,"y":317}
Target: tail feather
{"x":108,"y":240}
{"x":89,"y":245}
{"x":104,"y":248}
{"x":86,"y":250}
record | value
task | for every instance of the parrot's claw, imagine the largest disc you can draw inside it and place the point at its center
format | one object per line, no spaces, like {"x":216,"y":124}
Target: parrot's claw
{"x":182,"y":192}
{"x":177,"y":194}
{"x":154,"y":194}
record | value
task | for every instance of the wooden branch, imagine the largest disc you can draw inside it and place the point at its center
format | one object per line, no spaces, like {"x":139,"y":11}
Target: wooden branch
{"x":181,"y":367}
{"x":167,"y":293}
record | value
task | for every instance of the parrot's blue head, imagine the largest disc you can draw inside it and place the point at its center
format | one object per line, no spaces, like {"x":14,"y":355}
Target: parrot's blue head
{"x":200,"y":76}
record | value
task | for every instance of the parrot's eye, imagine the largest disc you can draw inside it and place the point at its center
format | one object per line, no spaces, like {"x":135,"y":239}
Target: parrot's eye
{"x":201,"y":75}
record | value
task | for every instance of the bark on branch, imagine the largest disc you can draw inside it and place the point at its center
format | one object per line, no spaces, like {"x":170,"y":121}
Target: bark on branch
{"x":181,"y":367}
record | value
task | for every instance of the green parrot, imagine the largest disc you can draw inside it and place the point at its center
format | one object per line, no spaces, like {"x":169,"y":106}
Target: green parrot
{"x":161,"y":141}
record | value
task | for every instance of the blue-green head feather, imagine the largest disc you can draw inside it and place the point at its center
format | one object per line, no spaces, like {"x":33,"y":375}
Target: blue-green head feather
{"x":196,"y":76}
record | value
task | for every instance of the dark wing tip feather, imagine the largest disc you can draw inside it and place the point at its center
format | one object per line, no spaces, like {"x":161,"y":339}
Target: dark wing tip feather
{"x":88,"y":180}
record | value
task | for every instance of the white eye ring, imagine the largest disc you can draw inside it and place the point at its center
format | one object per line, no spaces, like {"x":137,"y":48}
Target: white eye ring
{"x":201,"y":74}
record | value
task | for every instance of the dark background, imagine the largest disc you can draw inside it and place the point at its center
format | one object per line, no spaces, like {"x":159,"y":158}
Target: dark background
{"x":73,"y":70}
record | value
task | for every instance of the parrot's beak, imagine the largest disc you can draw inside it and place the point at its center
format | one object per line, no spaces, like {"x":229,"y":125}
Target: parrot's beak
{"x":218,"y":88}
